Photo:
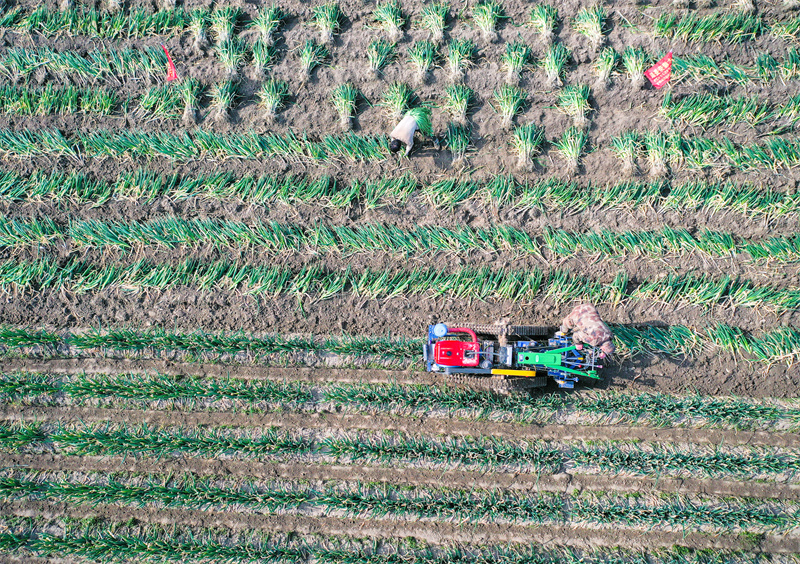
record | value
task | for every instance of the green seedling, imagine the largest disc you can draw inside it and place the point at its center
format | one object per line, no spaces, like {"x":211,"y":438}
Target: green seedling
{"x":626,"y":148}
{"x":460,"y":54}
{"x":344,"y":99}
{"x":571,"y":145}
{"x":263,"y":56}
{"x":223,"y":95}
{"x":272,"y":96}
{"x":389,"y":17}
{"x":190,"y":89}
{"x":655,"y":143}
{"x":379,"y":54}
{"x":574,"y":101}
{"x":422,"y":56}
{"x":486,"y":16}
{"x":268,"y":22}
{"x":312,"y":55}
{"x":197,"y":28}
{"x":527,"y":142}
{"x":604,"y":65}
{"x":515,"y":59}
{"x":231,"y":55}
{"x":544,"y":20}
{"x":327,"y":18}
{"x":590,"y":22}
{"x":509,"y":101}
{"x":457,"y":100}
{"x":457,"y":138}
{"x":553,"y":63}
{"x":434,"y":20}
{"x":397,"y":99}
{"x":634,"y":59}
{"x":223,"y":22}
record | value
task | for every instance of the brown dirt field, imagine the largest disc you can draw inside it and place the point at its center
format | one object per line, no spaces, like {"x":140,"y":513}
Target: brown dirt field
{"x":614,"y":110}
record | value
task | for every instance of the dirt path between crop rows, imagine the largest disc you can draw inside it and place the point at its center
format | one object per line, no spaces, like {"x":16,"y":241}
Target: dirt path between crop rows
{"x":413,"y":424}
{"x":437,"y":533}
{"x":570,"y":482}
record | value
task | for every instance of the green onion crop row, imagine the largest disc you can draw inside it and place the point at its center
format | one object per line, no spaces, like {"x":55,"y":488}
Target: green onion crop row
{"x":483,"y":452}
{"x":140,"y":387}
{"x":216,"y":343}
{"x":106,"y":541}
{"x":552,"y":194}
{"x":206,"y":493}
{"x":483,"y":283}
{"x":775,"y":153}
{"x":184,"y":147}
{"x":274,"y":238}
{"x":682,"y":513}
{"x":479,"y":283}
{"x":116,"y":440}
{"x":57,"y":100}
{"x":730,"y":27}
{"x":96,"y":65}
{"x":778,"y":346}
{"x":702,"y":68}
{"x":473,"y":505}
{"x":546,"y":456}
{"x":652,"y":408}
{"x":706,"y":110}
{"x":136,"y":23}
{"x":699,"y":153}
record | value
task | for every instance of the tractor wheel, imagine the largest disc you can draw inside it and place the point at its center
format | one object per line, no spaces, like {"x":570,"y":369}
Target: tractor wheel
{"x":510,"y":330}
{"x":499,"y":384}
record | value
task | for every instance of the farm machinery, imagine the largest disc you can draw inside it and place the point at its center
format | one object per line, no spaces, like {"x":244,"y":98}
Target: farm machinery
{"x":508,"y":357}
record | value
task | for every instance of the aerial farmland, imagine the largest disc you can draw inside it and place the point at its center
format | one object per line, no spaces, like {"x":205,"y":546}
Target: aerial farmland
{"x":217,"y":280}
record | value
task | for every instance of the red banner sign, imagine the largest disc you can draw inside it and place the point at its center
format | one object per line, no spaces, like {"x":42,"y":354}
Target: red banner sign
{"x":658,"y":74}
{"x":172,"y":74}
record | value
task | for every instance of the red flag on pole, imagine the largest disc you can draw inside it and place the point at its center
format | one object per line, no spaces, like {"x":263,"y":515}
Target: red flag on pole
{"x":172,"y":74}
{"x":658,"y":74}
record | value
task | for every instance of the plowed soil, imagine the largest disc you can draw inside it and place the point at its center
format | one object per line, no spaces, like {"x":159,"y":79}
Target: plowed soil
{"x":615,"y":109}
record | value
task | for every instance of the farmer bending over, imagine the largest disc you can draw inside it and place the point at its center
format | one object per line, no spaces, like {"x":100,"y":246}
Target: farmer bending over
{"x":415,"y":119}
{"x":587,"y":327}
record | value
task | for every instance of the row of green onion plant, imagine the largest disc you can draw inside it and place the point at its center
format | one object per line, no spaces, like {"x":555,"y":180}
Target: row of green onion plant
{"x":107,"y":540}
{"x":408,"y":503}
{"x":106,"y":439}
{"x":316,"y":280}
{"x":701,"y":153}
{"x":707,"y":110}
{"x":275,"y":238}
{"x":771,"y":347}
{"x":199,"y":144}
{"x":189,"y":392}
{"x":750,"y":200}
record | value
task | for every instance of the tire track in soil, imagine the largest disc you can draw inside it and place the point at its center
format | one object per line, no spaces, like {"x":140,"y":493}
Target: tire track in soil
{"x":515,"y":481}
{"x":432,"y":532}
{"x":413,"y":424}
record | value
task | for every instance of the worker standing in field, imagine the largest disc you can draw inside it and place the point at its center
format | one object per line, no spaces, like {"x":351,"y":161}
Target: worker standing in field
{"x":415,"y":119}
{"x":587,"y":327}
